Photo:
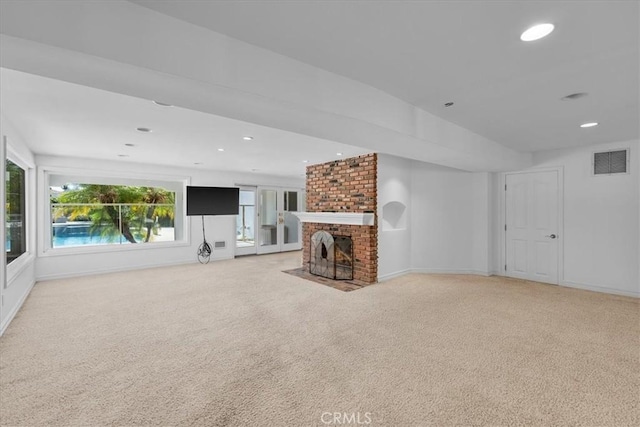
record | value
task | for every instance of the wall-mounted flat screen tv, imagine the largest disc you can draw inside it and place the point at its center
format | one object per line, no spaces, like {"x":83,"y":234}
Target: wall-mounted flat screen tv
{"x":212,"y":200}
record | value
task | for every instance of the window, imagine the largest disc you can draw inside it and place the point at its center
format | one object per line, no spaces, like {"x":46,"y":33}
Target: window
{"x":610,"y":162}
{"x":95,"y":214}
{"x":16,"y":223}
{"x":291,"y":201}
{"x":86,"y":213}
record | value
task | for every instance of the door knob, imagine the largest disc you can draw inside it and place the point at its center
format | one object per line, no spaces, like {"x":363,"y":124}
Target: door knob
{"x":551,"y":236}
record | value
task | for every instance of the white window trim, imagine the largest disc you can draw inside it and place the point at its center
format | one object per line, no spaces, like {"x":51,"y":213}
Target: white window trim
{"x":44,"y":214}
{"x":15,"y":268}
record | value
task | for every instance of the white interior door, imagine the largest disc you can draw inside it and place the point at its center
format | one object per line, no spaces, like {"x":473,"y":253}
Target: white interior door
{"x":532,"y":219}
{"x":278,"y":229}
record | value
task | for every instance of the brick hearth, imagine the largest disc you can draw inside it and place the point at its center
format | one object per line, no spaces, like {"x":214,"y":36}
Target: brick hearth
{"x":348,"y":185}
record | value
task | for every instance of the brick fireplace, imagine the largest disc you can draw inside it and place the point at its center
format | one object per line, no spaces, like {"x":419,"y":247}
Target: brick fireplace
{"x":339,"y":191}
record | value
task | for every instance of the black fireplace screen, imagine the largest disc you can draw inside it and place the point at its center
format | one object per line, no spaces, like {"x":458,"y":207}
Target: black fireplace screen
{"x":331,"y":256}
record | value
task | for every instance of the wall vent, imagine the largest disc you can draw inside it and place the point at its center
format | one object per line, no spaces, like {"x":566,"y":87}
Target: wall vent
{"x":219,"y":245}
{"x":611,"y":162}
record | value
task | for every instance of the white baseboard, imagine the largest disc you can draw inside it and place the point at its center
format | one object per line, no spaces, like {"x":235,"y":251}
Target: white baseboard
{"x":390,"y":276}
{"x":586,"y":287}
{"x":4,"y":325}
{"x":568,"y":284}
{"x":600,"y":289}
{"x":447,"y":271}
{"x":118,"y":269}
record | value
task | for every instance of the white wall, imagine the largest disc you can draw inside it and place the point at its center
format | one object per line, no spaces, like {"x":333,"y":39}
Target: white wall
{"x":601,"y":220}
{"x":455,"y":220}
{"x":482,"y":239}
{"x":394,"y":216}
{"x":450,"y":222}
{"x":20,"y":274}
{"x":54,"y":264}
{"x":447,"y":227}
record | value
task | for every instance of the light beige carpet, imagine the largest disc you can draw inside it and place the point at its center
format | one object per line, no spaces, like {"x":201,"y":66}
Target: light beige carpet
{"x":239,"y":343}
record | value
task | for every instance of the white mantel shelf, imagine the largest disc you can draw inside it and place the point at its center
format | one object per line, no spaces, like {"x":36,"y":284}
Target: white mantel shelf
{"x":347,"y":218}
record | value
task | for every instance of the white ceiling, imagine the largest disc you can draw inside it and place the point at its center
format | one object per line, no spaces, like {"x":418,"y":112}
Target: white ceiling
{"x":469,"y":52}
{"x":65,"y":119}
{"x":423,"y":52}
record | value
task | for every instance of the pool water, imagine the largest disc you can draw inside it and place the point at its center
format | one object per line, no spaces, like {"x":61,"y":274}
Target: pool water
{"x":80,"y":234}
{"x":61,"y":241}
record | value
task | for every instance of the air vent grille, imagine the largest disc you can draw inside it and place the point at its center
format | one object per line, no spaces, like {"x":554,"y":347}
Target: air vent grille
{"x":610,"y":162}
{"x":220,"y":244}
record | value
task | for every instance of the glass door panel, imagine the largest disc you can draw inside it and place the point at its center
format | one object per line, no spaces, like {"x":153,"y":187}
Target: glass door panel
{"x":292,"y":229}
{"x":268,"y":220}
{"x":245,"y":222}
{"x":291,"y":222}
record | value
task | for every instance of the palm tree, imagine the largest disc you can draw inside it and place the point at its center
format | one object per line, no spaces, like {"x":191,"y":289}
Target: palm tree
{"x":157,"y":196}
{"x":115,"y":220}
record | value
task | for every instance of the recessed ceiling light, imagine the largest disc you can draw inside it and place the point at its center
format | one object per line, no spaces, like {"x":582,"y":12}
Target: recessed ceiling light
{"x":145,"y":130}
{"x":162,"y":104}
{"x":247,"y":138}
{"x":589,"y":125}
{"x":220,"y":149}
{"x":448,"y":104}
{"x":574,"y":96}
{"x":338,"y":154}
{"x":305,"y":161}
{"x":130,"y":145}
{"x":537,"y":32}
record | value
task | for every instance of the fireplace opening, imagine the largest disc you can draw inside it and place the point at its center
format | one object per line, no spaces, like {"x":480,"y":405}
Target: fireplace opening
{"x":331,"y":256}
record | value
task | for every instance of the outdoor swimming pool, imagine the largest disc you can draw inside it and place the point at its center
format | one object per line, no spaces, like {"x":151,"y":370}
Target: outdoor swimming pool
{"x":83,"y":233}
{"x":80,"y":233}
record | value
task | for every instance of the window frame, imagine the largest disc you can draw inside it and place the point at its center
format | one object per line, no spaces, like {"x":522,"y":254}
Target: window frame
{"x":45,"y":174}
{"x":15,"y":268}
{"x":16,"y":217}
